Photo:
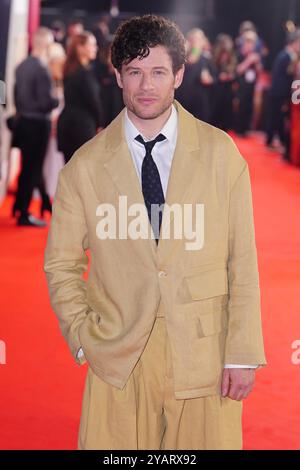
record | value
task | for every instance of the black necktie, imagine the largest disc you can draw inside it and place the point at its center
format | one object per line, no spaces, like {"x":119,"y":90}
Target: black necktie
{"x":151,"y":185}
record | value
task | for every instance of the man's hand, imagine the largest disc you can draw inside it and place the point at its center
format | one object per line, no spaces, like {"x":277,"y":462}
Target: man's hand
{"x":237,"y":383}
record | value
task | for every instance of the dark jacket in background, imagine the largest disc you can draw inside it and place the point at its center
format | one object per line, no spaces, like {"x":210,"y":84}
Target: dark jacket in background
{"x":279,"y":98}
{"x":111,"y":93}
{"x":194,"y":96}
{"x":245,"y":95}
{"x":82,"y":114}
{"x":281,"y":77}
{"x":33,"y":88}
{"x":34,"y":102}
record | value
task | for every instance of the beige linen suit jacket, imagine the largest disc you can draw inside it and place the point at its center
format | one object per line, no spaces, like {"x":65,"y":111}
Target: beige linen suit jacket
{"x":210,"y":297}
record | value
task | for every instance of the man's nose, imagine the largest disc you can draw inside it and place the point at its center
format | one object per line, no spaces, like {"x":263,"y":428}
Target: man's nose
{"x":146,"y":82}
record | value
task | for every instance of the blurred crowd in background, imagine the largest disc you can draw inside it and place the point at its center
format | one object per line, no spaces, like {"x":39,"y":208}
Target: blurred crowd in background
{"x":226,"y":84}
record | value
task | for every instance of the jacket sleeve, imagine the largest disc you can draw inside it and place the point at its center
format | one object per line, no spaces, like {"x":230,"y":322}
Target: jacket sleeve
{"x":66,"y":261}
{"x":244,"y":343}
{"x":45,"y":101}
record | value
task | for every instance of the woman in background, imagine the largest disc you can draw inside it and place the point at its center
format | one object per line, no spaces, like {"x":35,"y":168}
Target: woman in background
{"x":81,"y":117}
{"x":248,"y":68}
{"x":225,"y":62}
{"x":111,"y":93}
{"x":196,"y":91}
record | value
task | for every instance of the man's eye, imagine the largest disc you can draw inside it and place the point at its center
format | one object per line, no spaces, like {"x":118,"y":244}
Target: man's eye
{"x":134,"y":72}
{"x":158,"y":72}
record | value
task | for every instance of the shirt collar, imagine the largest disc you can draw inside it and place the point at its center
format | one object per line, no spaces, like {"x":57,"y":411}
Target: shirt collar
{"x":169,"y":130}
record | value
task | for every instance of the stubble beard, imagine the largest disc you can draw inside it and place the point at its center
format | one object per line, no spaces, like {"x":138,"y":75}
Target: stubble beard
{"x":165,"y":106}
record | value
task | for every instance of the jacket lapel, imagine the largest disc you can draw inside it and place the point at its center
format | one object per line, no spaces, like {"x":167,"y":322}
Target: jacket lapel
{"x":187,"y":172}
{"x":122,"y":172}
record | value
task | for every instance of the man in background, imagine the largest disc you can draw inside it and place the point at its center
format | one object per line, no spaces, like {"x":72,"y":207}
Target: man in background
{"x":34,"y":102}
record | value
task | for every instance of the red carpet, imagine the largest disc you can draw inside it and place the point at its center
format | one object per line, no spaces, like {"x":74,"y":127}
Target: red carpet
{"x":41,"y":386}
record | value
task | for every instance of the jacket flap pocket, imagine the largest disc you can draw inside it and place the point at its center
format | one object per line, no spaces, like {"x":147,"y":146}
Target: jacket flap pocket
{"x":208,"y":284}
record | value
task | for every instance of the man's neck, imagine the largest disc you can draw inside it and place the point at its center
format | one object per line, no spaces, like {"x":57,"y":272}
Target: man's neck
{"x":149,"y":128}
{"x":40,"y":55}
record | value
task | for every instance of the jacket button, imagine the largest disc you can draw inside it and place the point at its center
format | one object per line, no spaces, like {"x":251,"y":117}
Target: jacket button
{"x":162,"y":274}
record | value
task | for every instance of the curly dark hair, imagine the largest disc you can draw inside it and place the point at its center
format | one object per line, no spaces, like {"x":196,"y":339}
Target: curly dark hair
{"x":135,"y":36}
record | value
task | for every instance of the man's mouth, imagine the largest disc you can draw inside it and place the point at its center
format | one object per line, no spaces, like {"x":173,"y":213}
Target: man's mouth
{"x":146,"y":100}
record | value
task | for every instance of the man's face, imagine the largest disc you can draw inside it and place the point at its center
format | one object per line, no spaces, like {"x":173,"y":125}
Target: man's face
{"x":149,"y":84}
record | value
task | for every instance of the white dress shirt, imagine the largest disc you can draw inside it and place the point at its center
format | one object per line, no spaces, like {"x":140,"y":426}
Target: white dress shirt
{"x":162,"y":154}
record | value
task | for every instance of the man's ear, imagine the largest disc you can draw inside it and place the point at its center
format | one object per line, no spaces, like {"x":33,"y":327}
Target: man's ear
{"x":179,"y":77}
{"x":119,"y":78}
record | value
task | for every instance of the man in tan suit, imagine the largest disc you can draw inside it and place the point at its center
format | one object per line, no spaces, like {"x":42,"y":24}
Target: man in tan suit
{"x":168,"y":320}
